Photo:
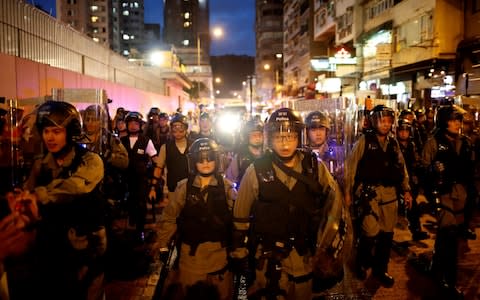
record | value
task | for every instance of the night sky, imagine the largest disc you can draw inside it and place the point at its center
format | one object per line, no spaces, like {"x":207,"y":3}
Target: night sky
{"x":237,"y":17}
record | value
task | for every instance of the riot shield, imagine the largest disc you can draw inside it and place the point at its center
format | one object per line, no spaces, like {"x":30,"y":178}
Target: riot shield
{"x":21,"y":143}
{"x":335,"y":110}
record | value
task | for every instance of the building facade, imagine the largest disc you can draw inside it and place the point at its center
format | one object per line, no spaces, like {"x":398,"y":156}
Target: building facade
{"x":187,"y":27}
{"x":269,"y":48}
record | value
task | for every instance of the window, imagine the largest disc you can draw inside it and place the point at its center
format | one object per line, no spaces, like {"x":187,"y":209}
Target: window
{"x":126,"y":37}
{"x":70,"y":13}
{"x":186,"y":24}
{"x":72,"y":2}
{"x":94,"y":8}
{"x":94,"y":19}
{"x":186,"y":15}
{"x":186,"y":42}
{"x":126,"y":13}
{"x":96,"y":39}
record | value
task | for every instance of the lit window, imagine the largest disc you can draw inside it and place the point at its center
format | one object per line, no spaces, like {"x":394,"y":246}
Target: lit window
{"x":187,"y":15}
{"x":132,"y":37}
{"x":94,"y":8}
{"x":126,"y":37}
{"x":186,"y":24}
{"x":186,"y":42}
{"x":135,"y":4}
{"x":114,"y":10}
{"x":94,"y":19}
{"x":125,"y":52}
{"x":96,"y":39}
{"x":124,"y":4}
{"x":125,"y":13}
{"x":95,"y":30}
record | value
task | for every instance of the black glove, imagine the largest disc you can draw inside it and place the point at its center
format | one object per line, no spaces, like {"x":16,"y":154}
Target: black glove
{"x":239,"y":265}
{"x":164,"y":255}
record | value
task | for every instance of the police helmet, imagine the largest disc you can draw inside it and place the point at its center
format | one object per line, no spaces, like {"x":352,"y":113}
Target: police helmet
{"x":203,"y":149}
{"x":406,"y":113}
{"x":95,"y":111}
{"x":134,"y":116}
{"x":378,"y":112}
{"x":179,"y":118}
{"x":317,"y":119}
{"x":404,"y":124}
{"x":154,"y":111}
{"x":163,"y":115}
{"x":447,"y":113}
{"x":60,"y":114}
{"x":284,"y":120}
{"x":252,"y":125}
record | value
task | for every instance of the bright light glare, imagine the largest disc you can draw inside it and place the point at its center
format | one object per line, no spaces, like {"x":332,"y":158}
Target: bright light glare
{"x":157,"y":58}
{"x":229,"y":123}
{"x":217,"y":32}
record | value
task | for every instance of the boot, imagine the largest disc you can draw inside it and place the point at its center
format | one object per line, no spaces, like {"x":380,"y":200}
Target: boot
{"x":364,"y":256}
{"x":382,"y":256}
{"x":444,"y":261}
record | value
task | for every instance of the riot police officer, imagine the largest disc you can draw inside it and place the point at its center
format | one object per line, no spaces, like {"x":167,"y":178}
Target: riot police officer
{"x":318,"y":129}
{"x":200,"y":212}
{"x":448,"y":158}
{"x":205,"y":124}
{"x":115,"y":157}
{"x":251,"y":148}
{"x":173,"y":154}
{"x":283,"y":200}
{"x":64,"y":184}
{"x":413,"y":164}
{"x":376,"y":167}
{"x":141,"y":179}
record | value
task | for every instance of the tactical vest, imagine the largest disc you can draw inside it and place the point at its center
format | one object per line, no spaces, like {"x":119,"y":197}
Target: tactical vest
{"x":458,"y":167}
{"x":138,"y":159}
{"x":244,"y":159}
{"x":177,"y":165}
{"x":205,"y":221}
{"x":378,"y":166}
{"x":281,"y":215}
{"x":84,"y":212}
{"x":409,"y":155}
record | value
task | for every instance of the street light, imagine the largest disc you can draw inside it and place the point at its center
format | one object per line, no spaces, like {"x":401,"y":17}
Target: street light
{"x":217,"y":32}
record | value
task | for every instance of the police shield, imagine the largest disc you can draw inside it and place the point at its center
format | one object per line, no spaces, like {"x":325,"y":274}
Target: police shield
{"x":333,"y":153}
{"x":21,"y":143}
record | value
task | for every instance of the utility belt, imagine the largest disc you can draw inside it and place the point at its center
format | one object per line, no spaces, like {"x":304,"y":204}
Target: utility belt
{"x":301,"y":245}
{"x":194,"y":245}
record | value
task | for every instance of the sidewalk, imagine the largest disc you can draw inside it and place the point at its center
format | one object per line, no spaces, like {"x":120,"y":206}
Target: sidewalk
{"x":134,"y":271}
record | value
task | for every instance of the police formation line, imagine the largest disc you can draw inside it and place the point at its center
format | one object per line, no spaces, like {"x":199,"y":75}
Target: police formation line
{"x":278,"y":216}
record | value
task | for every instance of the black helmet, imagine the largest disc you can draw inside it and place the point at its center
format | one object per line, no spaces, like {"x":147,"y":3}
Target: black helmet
{"x":179,"y":118}
{"x":284,"y":120}
{"x":154,"y":111}
{"x":407,"y":112}
{"x":378,"y":112}
{"x":95,"y":111}
{"x":60,"y":114}
{"x":254,"y":124}
{"x":134,"y":116}
{"x":447,"y":113}
{"x":317,"y":119}
{"x":201,"y":149}
{"x":404,"y":124}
